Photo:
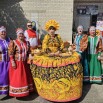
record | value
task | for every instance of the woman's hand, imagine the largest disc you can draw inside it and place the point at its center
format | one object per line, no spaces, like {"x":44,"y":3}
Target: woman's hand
{"x":31,"y":58}
{"x":57,"y":53}
{"x":99,"y":58}
{"x":13,"y":64}
{"x":51,"y":54}
{"x":54,"y":54}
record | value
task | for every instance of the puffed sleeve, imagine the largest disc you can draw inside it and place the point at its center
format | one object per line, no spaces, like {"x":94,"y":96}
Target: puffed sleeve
{"x":26,"y":35}
{"x":11,"y":49}
{"x":61,"y":42}
{"x":84,"y":43}
{"x":45,"y":43}
{"x":99,"y":46}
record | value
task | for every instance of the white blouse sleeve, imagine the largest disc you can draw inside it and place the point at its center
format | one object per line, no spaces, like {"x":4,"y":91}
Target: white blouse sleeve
{"x":26,"y":35}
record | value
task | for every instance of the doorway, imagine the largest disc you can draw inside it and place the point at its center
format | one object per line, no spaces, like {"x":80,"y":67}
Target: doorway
{"x":93,"y":20}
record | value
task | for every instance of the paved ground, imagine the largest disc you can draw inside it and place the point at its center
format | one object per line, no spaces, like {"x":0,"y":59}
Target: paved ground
{"x":91,"y":94}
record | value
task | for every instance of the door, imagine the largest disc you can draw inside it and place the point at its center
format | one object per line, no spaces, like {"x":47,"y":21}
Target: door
{"x":85,"y":21}
{"x":93,"y":20}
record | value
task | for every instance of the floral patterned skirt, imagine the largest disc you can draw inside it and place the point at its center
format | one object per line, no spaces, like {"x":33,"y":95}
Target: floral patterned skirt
{"x":58,"y":79}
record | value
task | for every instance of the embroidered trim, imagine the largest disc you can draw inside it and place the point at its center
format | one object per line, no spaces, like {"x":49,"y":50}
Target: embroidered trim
{"x":19,"y":90}
{"x":94,"y":78}
{"x":3,"y":88}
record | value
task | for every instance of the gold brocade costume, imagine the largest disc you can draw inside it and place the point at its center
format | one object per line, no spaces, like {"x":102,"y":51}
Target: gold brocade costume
{"x":57,"y":78}
{"x":53,"y":44}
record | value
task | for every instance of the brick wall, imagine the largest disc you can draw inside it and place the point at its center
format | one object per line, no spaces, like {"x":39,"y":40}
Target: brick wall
{"x":15,"y":13}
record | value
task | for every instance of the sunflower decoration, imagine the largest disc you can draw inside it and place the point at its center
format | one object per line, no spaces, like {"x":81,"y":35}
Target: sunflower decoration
{"x":33,"y":23}
{"x":51,"y":23}
{"x":97,"y":32}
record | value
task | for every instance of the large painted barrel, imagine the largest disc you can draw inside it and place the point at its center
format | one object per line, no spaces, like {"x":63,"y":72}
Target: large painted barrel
{"x":58,"y":79}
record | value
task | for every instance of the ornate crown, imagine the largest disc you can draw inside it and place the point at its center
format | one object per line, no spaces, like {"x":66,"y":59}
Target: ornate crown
{"x":51,"y":23}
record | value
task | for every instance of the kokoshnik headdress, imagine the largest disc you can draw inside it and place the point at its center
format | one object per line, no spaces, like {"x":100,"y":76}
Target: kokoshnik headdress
{"x":52,"y":23}
{"x":2,"y":28}
{"x":19,"y":30}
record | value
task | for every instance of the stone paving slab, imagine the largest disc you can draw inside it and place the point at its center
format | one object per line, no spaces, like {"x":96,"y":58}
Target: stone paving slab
{"x":91,"y":94}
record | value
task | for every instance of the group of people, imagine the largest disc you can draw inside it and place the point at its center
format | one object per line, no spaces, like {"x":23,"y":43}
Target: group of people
{"x":16,"y":79}
{"x":90,"y":47}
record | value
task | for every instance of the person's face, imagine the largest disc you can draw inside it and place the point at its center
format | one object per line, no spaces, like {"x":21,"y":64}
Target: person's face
{"x":80,"y":31}
{"x":3,"y":34}
{"x":20,"y":36}
{"x":51,"y":31}
{"x":92,"y":31}
{"x":29,"y":26}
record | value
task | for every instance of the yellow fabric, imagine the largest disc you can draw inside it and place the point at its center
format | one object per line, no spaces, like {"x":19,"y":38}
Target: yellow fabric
{"x":97,"y":32}
{"x":57,"y":78}
{"x":59,"y":84}
{"x":60,"y":90}
{"x":53,"y":44}
{"x":46,"y":61}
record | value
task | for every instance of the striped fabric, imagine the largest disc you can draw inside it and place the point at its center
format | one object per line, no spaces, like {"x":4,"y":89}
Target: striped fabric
{"x":77,"y":41}
{"x":4,"y":50}
{"x":93,"y":44}
{"x":22,"y":50}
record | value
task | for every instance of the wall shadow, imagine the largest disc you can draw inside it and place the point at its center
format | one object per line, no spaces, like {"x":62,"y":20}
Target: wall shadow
{"x":12,"y":16}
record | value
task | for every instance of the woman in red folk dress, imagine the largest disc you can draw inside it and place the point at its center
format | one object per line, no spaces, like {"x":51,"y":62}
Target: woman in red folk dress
{"x":21,"y":82}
